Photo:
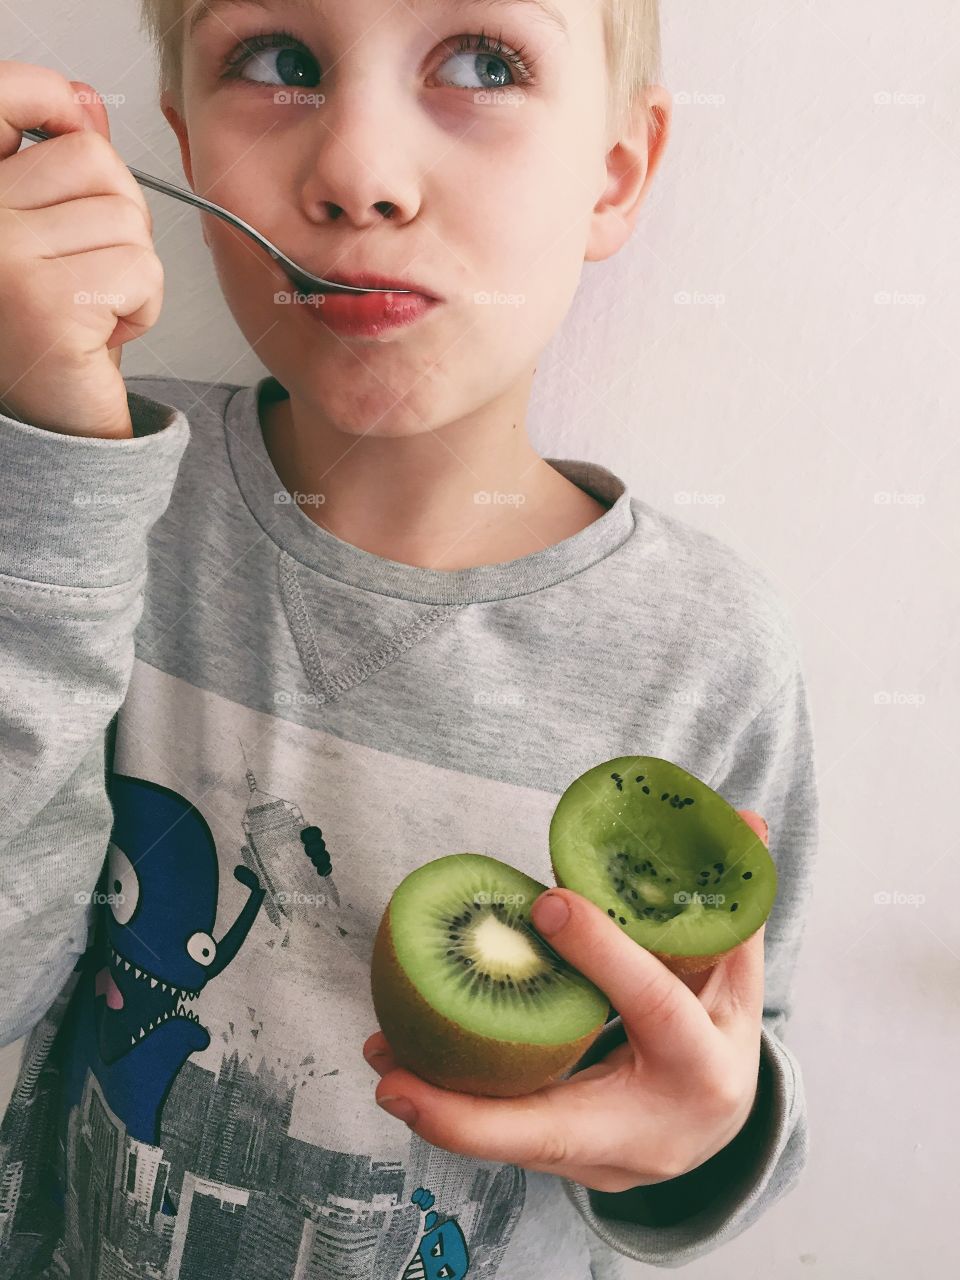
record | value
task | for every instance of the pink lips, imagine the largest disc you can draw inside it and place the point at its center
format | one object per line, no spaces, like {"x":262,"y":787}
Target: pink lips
{"x":368,"y":315}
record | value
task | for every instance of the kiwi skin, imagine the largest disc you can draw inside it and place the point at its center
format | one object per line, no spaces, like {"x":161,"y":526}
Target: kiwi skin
{"x":445,"y":1054}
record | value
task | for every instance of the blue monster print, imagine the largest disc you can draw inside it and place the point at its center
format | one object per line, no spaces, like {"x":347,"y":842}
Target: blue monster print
{"x":442,"y":1252}
{"x":130,"y":1019}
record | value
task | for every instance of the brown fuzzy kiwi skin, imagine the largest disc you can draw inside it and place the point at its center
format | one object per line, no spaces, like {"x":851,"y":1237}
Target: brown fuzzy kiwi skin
{"x":445,"y":1054}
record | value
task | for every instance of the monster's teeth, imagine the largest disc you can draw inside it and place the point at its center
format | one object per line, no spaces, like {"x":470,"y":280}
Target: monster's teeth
{"x":133,"y":1039}
{"x":137,"y":972}
{"x":153,"y":983}
{"x":142,"y":1033}
{"x":126,"y":965}
{"x":181,"y":1011}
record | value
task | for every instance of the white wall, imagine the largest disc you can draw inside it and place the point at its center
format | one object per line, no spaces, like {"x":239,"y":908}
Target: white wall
{"x":798,"y":194}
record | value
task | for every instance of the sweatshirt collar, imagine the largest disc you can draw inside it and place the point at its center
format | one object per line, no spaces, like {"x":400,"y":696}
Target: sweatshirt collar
{"x":291,"y":529}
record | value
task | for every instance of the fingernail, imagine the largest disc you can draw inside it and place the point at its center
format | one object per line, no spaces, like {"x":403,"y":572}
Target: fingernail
{"x":550,"y":913}
{"x":402,"y":1108}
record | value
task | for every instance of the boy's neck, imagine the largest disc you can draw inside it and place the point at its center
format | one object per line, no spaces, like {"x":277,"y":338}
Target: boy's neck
{"x":414,"y":500}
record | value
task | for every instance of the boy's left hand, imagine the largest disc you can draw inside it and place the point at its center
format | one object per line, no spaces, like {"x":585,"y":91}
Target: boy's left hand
{"x":678,"y":1090}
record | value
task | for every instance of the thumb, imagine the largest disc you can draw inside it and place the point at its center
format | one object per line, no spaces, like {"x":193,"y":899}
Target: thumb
{"x":92,"y":106}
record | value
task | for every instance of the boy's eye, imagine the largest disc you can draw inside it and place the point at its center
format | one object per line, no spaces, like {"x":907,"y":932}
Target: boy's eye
{"x":492,"y":64}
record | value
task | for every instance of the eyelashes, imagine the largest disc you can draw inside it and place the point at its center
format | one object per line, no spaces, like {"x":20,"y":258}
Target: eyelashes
{"x":518,"y":59}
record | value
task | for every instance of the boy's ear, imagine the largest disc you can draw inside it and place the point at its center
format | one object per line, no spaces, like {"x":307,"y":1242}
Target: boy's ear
{"x":179,"y":126}
{"x":630,"y":165}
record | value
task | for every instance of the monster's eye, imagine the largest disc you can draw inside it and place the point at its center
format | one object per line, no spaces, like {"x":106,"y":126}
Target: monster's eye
{"x":123,"y":885}
{"x":202,"y":948}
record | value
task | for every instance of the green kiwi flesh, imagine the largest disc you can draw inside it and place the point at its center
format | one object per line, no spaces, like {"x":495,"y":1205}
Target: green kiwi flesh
{"x":666,"y":857}
{"x":465,"y":990}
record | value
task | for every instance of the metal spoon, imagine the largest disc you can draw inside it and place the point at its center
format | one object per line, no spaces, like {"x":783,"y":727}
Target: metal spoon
{"x":303,"y":279}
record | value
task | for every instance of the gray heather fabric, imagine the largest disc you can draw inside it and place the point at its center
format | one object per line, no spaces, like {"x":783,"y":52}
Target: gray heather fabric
{"x":227,"y":735}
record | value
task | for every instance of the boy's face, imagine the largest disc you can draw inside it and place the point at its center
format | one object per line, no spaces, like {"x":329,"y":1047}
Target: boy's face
{"x":500,"y":186}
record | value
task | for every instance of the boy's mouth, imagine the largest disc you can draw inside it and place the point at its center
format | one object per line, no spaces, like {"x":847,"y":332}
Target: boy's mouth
{"x":366,"y":315}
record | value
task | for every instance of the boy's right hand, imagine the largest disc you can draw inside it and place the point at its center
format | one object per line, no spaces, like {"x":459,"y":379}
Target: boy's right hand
{"x":78,"y":272}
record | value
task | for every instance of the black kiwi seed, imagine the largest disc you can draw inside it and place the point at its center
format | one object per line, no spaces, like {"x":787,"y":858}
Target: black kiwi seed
{"x":746,"y":875}
{"x":452,"y":952}
{"x":664,"y":796}
{"x":734,"y":907}
{"x":718,"y":866}
{"x":622,"y":919}
{"x":618,"y":885}
{"x":639,"y":777}
{"x":623,"y":856}
{"x":618,"y":780}
{"x":610,"y":911}
{"x":633,"y":893}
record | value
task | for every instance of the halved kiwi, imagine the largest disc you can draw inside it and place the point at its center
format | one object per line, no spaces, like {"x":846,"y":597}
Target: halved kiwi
{"x":666,"y":857}
{"x":467,"y":993}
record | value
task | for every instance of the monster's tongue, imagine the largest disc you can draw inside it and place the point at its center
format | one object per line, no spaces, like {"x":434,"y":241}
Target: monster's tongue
{"x":107,"y":987}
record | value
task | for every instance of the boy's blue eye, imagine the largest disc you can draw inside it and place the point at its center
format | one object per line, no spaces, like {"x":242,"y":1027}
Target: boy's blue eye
{"x":297,"y":68}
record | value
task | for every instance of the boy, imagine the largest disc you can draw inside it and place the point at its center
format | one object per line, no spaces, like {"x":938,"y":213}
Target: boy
{"x":272,"y":647}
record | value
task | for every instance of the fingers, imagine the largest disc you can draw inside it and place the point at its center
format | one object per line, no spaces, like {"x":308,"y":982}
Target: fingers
{"x":541,"y":1130}
{"x":34,"y":97}
{"x":92,"y":106}
{"x":77,"y":165}
{"x":664,"y":1020}
{"x":755,"y":823}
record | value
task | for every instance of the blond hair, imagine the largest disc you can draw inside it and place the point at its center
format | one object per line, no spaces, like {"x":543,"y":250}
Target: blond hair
{"x":632,"y":39}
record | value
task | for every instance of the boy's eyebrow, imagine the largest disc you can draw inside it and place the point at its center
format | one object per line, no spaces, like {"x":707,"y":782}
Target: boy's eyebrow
{"x":545,"y":9}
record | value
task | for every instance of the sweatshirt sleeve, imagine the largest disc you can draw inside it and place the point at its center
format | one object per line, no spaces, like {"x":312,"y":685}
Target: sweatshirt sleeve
{"x":74,"y":521}
{"x":771,"y":770}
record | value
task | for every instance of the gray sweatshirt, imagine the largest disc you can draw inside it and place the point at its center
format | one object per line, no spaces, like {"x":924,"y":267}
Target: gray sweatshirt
{"x":227,"y":735}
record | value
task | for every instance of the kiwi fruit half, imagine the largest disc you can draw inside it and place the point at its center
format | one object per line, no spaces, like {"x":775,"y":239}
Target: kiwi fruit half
{"x":467,"y":993}
{"x":666,"y":857}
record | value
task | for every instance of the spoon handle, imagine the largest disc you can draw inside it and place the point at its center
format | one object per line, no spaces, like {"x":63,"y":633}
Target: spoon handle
{"x":191,"y":197}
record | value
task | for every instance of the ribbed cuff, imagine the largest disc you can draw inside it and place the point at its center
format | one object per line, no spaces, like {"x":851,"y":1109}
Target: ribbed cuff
{"x":674,"y":1222}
